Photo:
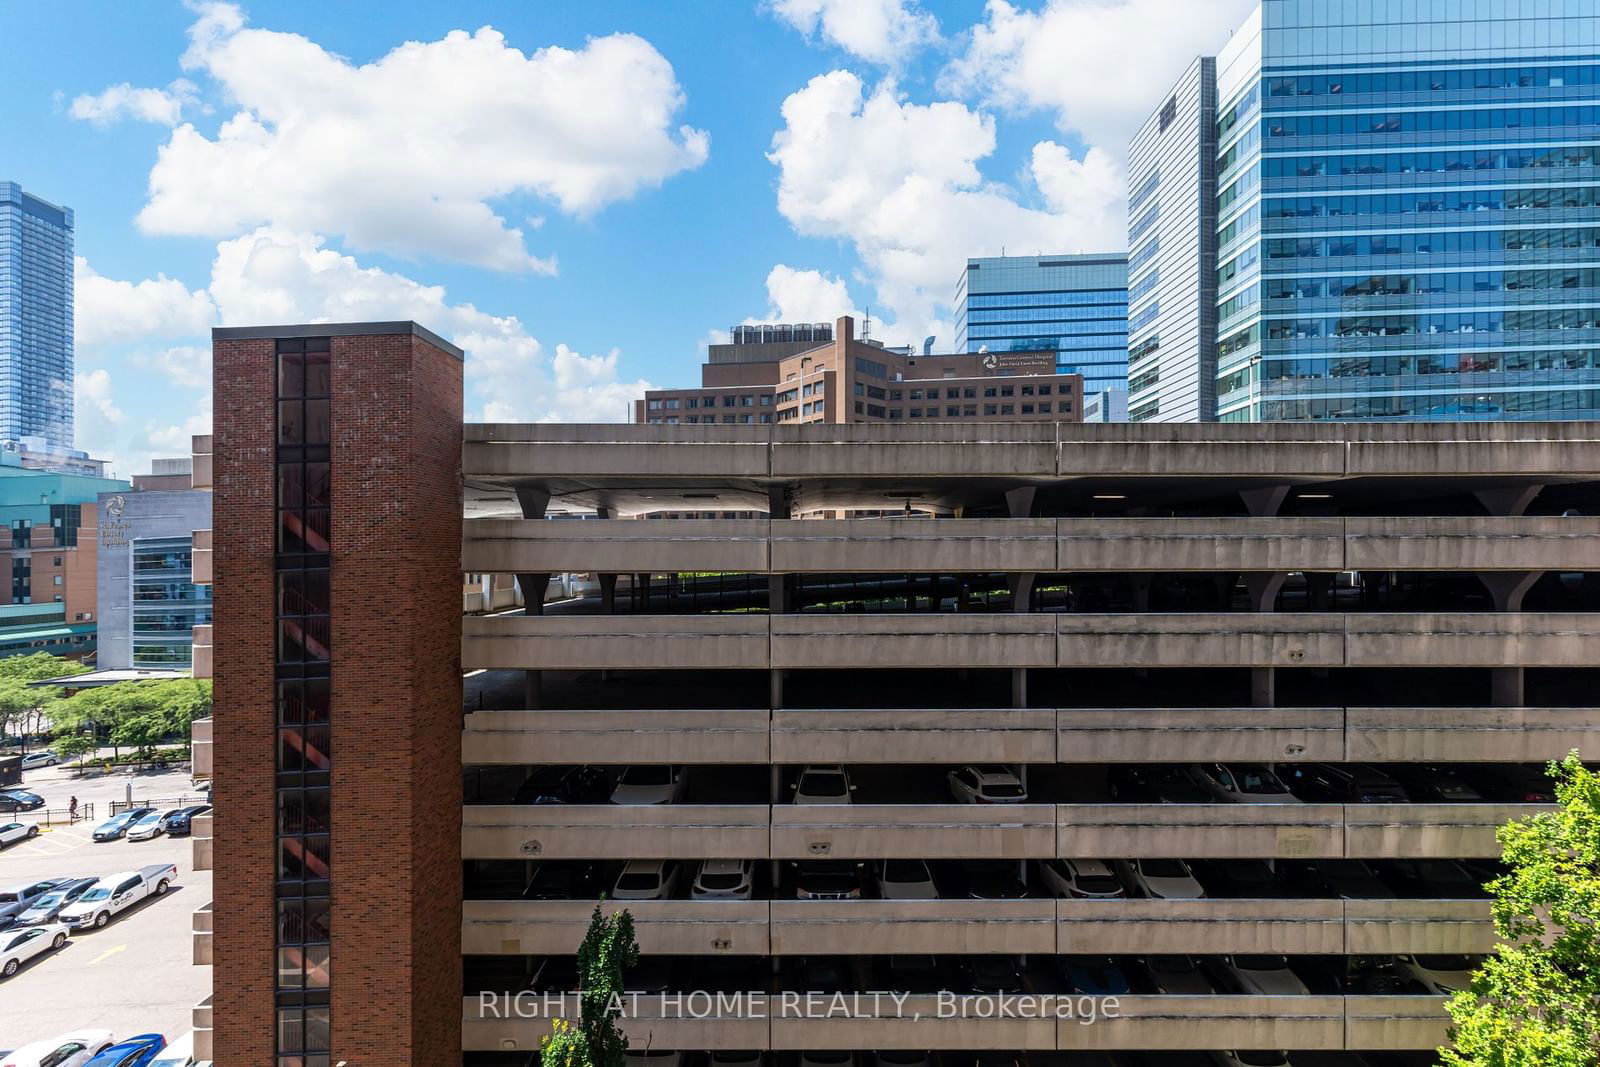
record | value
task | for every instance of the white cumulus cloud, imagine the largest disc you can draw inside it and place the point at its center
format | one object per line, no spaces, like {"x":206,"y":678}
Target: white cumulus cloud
{"x":885,"y":32}
{"x":408,"y":154}
{"x":902,"y":182}
{"x":274,"y":275}
{"x":1099,"y":65}
{"x":163,"y":106}
{"x":108,"y":311}
{"x":806,"y":296}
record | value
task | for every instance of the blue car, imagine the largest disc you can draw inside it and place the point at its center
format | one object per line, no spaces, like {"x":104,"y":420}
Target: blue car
{"x":118,"y":825}
{"x":134,"y":1052}
{"x":1095,"y":975}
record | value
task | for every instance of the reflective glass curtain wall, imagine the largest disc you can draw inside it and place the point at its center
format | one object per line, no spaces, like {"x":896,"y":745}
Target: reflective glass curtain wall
{"x":1075,"y":306}
{"x":36,"y":347}
{"x":1408,"y":212}
{"x":167,"y":605}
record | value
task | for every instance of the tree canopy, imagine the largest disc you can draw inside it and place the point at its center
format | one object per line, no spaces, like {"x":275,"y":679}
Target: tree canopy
{"x":137,"y":715}
{"x":20,"y":701}
{"x":607,"y":951}
{"x":1535,"y":1002}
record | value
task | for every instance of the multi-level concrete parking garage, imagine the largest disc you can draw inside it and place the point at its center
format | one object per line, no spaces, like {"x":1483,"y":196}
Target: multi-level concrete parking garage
{"x":1216,"y":720}
{"x":1132,"y":632}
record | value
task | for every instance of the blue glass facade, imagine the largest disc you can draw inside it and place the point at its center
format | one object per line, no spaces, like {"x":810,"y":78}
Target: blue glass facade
{"x":1408,"y":232}
{"x":35,"y":319}
{"x":1076,"y":306}
{"x":167,"y":605}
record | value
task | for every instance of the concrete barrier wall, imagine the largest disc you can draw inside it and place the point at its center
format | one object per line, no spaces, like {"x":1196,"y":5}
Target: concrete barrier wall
{"x":920,"y":1022}
{"x":1043,"y":545}
{"x":974,"y":831}
{"x":1027,"y":735}
{"x":982,"y":639}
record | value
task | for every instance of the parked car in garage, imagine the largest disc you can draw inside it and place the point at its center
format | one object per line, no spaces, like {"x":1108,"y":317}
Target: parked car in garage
{"x":1081,"y":879}
{"x":1242,"y":783}
{"x":823,"y":784}
{"x":1161,"y":879}
{"x":651,"y":784}
{"x":989,"y":784}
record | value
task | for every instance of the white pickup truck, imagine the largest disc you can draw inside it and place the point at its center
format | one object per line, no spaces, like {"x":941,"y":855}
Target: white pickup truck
{"x":116,"y":893}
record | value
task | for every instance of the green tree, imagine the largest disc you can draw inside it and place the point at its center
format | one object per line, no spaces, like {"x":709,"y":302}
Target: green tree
{"x":79,"y":744}
{"x":607,"y":951}
{"x":20,"y":701}
{"x":1535,"y":1002}
{"x":135,"y":714}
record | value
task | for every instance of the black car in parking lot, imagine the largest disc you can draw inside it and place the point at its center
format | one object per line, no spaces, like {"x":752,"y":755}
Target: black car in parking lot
{"x":20,"y":800}
{"x":177,"y":823}
{"x":575,"y":880}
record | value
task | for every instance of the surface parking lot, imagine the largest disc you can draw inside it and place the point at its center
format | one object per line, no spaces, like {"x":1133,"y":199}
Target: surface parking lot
{"x":136,"y":975}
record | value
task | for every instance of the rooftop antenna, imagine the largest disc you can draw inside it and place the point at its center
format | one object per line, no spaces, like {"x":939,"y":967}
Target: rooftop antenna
{"x":866,"y":326}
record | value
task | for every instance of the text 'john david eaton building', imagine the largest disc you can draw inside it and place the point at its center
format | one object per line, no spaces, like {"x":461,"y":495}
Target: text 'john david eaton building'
{"x":1214,"y":723}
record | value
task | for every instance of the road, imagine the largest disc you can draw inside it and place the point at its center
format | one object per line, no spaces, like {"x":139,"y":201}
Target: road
{"x":134,"y":976}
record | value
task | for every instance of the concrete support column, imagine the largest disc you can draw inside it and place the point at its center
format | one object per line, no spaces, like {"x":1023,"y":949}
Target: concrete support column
{"x":608,"y":593}
{"x":1140,"y":584}
{"x":534,"y":501}
{"x":1318,"y":588}
{"x":641,"y":582}
{"x":780,"y":587}
{"x":1510,"y":501}
{"x":1263,"y":687}
{"x":963,"y":593}
{"x":1021,"y":587}
{"x":1264,"y":503}
{"x":1507,"y":588}
{"x":935,"y":597}
{"x":1507,"y":687}
{"x":1019,"y":502}
{"x":775,"y":687}
{"x":1019,"y":687}
{"x":1263,"y":589}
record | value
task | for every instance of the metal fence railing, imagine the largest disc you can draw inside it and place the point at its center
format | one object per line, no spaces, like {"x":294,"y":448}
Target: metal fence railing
{"x":120,"y":806}
{"x":63,"y":816}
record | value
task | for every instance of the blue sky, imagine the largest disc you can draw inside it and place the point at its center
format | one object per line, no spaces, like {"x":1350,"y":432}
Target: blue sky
{"x":579,"y":193}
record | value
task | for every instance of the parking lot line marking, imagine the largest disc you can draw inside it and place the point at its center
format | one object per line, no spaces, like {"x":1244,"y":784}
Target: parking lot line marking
{"x":107,"y":954}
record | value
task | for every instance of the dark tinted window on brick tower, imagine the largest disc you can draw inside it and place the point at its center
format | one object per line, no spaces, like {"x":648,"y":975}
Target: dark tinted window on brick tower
{"x":304,"y":639}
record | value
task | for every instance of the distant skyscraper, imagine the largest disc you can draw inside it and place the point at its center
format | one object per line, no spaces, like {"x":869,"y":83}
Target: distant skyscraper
{"x":1403,"y":217}
{"x":1076,"y":306}
{"x":35,"y":319}
{"x":1172,"y":255}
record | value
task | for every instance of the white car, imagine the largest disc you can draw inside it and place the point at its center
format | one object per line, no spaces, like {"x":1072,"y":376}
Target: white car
{"x":1242,"y":783}
{"x":823,"y":784}
{"x":646,"y":880}
{"x":906,"y":880}
{"x":1266,"y":975}
{"x":1252,"y":1058}
{"x":1437,"y":974}
{"x":986,"y":785}
{"x":651,"y":783}
{"x":69,"y":1050}
{"x":148,"y":827}
{"x":20,"y":944}
{"x":724,"y":880}
{"x":17,"y":831}
{"x":1083,"y":879}
{"x":1161,"y":879}
{"x":178,"y":1054}
{"x":39,"y":759}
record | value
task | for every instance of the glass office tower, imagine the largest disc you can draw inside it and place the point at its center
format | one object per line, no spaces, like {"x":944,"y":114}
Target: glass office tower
{"x":1407,"y":211}
{"x":1076,"y":306}
{"x":35,"y":319}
